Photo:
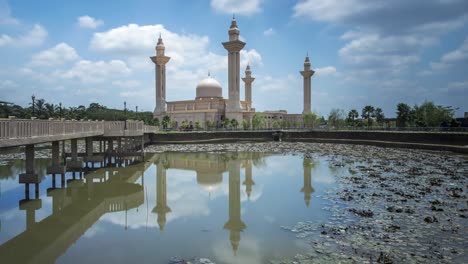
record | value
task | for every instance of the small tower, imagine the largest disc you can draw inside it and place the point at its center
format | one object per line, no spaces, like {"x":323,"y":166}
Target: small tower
{"x":248,"y":80}
{"x":234,"y":46}
{"x":160,"y":61}
{"x":307,"y":73}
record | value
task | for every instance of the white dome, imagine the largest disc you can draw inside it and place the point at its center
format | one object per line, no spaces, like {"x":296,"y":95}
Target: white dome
{"x":209,"y":87}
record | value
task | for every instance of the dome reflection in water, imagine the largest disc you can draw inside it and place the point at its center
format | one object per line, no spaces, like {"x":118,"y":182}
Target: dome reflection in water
{"x":228,"y":207}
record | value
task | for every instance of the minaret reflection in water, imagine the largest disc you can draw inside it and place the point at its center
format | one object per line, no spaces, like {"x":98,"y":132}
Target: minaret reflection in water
{"x":234,"y":224}
{"x":161,"y":196}
{"x":307,"y":189}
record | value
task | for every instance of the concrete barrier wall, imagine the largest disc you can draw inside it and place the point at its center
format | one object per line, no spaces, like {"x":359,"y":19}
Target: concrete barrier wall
{"x":459,"y":139}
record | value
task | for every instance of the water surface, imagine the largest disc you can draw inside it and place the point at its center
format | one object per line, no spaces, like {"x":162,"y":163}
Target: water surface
{"x":228,"y":207}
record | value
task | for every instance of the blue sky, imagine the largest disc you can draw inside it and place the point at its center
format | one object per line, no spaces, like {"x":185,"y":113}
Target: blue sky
{"x":364,"y":52}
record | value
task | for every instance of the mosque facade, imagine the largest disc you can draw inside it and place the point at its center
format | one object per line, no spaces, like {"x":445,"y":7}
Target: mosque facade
{"x":209,"y":108}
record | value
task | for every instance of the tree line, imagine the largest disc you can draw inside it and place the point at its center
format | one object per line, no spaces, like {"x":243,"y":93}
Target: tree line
{"x":428,"y":114}
{"x":41,"y":109}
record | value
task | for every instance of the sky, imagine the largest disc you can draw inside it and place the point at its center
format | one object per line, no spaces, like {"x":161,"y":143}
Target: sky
{"x":363,"y":52}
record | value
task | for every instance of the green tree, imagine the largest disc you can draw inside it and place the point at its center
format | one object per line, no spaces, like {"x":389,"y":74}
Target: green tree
{"x":309,"y":119}
{"x":368,"y":112}
{"x":197,"y":125}
{"x":352,"y":116}
{"x":234,"y":123}
{"x":403,"y":118}
{"x":258,"y":120}
{"x":245,"y":124}
{"x":336,"y":118}
{"x":40,"y":108}
{"x":379,"y":116}
{"x":156,"y":122}
{"x":430,"y":115}
{"x":166,"y":121}
{"x":275,"y":124}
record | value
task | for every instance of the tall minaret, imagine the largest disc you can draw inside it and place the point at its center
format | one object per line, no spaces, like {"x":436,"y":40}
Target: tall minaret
{"x":234,"y":224}
{"x":234,"y":46}
{"x":307,"y":189}
{"x":307,"y":73}
{"x":160,"y":60}
{"x":161,"y":196}
{"x":248,"y":80}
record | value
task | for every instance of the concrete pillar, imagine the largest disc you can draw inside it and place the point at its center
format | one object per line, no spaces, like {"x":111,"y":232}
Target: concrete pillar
{"x":30,"y":206}
{"x":56,"y":167}
{"x":29,"y":177}
{"x":234,"y":46}
{"x":74,"y":162}
{"x":307,"y":74}
{"x":160,"y":61}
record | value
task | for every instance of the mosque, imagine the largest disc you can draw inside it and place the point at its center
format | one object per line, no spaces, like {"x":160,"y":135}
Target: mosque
{"x":209,"y":107}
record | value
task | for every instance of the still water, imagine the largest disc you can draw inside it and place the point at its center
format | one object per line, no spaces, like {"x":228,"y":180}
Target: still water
{"x":228,"y":207}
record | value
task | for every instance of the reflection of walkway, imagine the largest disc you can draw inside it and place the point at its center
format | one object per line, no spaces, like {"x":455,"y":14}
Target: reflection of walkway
{"x":75,"y":209}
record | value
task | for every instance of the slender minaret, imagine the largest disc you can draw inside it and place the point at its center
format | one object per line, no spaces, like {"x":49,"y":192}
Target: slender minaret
{"x":161,"y":196}
{"x":248,"y":80}
{"x":234,"y":46}
{"x":307,"y":189}
{"x":307,"y":73}
{"x":160,"y":60}
{"x":234,"y":224}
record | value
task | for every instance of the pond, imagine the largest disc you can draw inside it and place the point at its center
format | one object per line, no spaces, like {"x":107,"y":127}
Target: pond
{"x":227,"y":207}
{"x":275,"y":202}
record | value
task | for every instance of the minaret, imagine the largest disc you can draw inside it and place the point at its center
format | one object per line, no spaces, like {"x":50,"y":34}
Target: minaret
{"x":160,"y":60}
{"x":234,"y":46}
{"x":234,"y":224}
{"x":248,"y":178}
{"x":307,"y":189}
{"x":307,"y":73}
{"x":248,"y":80}
{"x":161,"y":197}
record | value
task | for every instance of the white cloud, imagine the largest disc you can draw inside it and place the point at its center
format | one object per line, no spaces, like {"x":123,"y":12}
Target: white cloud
{"x":332,"y":10}
{"x":7,"y":84}
{"x":94,"y":71}
{"x":89,"y":22}
{"x":269,"y":32}
{"x":190,"y":60}
{"x":241,"y":7}
{"x":34,"y":37}
{"x":57,"y":55}
{"x":325,"y":71}
{"x":456,"y":87}
{"x":376,"y":53}
{"x":126,"y":83}
{"x":251,"y":57}
{"x":5,"y":15}
{"x":449,"y":59}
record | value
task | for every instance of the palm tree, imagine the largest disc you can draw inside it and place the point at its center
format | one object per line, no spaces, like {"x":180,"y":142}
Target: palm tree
{"x":368,"y":112}
{"x":39,"y":108}
{"x":50,"y":110}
